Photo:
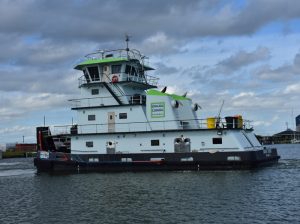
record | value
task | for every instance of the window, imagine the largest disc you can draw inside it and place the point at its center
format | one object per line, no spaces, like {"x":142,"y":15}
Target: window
{"x":155,"y":142}
{"x":127,"y":69}
{"x":122,"y":115}
{"x":94,"y":73}
{"x":115,"y":69}
{"x":133,"y":72}
{"x":95,"y":91}
{"x":86,"y":75}
{"x":89,"y":144}
{"x":217,"y":140}
{"x":91,"y":117}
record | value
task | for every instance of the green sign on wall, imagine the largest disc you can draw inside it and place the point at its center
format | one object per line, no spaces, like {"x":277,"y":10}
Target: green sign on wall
{"x":158,"y":110}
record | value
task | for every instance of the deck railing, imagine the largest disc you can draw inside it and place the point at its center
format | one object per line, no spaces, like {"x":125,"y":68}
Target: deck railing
{"x":123,"y":77}
{"x":193,"y":124}
{"x":107,"y":101}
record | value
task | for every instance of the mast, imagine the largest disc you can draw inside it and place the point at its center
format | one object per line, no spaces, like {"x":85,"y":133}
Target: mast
{"x":127,"y":44}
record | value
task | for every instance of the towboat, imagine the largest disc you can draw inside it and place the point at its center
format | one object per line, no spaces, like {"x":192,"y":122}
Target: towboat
{"x":124,"y":123}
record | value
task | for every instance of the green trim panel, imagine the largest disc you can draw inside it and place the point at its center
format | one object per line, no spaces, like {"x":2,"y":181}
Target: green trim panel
{"x":154,"y":92}
{"x":158,"y":110}
{"x":99,"y":61}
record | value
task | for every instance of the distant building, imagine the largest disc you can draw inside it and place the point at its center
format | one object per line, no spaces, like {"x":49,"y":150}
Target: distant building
{"x":25,"y":147}
{"x":286,"y":137}
{"x":298,"y":123}
{"x":11,"y":146}
{"x":2,"y":147}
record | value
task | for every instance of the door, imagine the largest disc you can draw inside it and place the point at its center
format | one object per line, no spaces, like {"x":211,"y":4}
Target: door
{"x":111,"y":121}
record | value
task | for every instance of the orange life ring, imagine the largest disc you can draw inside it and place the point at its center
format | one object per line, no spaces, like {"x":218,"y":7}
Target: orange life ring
{"x":114,"y":79}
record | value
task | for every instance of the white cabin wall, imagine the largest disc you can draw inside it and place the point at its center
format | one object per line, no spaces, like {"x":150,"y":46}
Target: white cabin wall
{"x":240,"y":139}
{"x":201,"y":141}
{"x":251,"y":136}
{"x":102,"y":99}
{"x":163,"y":118}
{"x":136,"y":119}
{"x":186,"y":112}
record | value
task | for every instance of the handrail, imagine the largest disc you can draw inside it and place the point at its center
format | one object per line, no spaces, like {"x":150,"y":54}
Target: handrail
{"x":147,"y":79}
{"x":192,"y":124}
{"x":106,"y":101}
{"x":122,"y":53}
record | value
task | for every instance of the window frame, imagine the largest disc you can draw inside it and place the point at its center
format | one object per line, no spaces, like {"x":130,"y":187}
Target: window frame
{"x":122,"y":116}
{"x":217,"y":141}
{"x":95,"y":93}
{"x":155,"y":142}
{"x":89,"y":144}
{"x":91,"y":117}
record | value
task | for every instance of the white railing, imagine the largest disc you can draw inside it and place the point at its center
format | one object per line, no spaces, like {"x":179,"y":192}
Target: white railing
{"x":193,"y":124}
{"x":122,"y":77}
{"x":106,"y":101}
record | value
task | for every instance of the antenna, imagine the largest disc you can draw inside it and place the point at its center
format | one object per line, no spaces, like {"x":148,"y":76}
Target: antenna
{"x":127,"y":39}
{"x":219,"y":115}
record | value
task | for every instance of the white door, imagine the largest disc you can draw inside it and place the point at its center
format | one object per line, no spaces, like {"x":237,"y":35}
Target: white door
{"x":111,"y":121}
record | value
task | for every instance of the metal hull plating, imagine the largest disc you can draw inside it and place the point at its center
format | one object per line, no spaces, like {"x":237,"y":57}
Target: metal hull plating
{"x":157,"y":162}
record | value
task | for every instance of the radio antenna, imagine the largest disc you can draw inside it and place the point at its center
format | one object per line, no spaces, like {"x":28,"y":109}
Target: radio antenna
{"x":127,"y":39}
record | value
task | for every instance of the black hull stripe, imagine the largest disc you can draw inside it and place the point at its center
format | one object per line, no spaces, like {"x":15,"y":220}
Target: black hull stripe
{"x":170,"y":162}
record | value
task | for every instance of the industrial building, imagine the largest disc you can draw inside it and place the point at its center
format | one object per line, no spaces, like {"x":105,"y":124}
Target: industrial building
{"x":298,"y":123}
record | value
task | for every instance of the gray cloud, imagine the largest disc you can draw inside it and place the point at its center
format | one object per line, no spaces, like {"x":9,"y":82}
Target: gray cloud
{"x":162,"y":69}
{"x":243,"y":58}
{"x":284,"y":73}
{"x":222,"y":74}
{"x":41,"y":40}
{"x":92,"y":20}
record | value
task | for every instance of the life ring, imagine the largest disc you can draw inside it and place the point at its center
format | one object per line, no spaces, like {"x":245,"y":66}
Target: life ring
{"x":114,"y":79}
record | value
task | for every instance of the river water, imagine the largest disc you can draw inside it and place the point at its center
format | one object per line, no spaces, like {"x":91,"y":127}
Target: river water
{"x":267,"y":195}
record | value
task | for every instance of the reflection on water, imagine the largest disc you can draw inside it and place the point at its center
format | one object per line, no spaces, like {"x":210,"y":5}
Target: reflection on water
{"x":268,"y":195}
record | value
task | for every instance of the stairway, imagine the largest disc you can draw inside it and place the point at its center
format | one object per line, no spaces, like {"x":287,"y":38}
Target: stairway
{"x":116,"y":92}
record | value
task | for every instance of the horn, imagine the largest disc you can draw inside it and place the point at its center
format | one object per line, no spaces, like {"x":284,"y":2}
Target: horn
{"x":196,"y":107}
{"x":164,"y":89}
{"x":175,"y":103}
{"x":184,"y":95}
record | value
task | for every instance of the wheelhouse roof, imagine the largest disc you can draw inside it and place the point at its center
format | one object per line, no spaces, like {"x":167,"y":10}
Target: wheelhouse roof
{"x":105,"y":61}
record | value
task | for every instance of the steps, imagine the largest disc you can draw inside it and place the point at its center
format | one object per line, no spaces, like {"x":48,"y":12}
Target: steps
{"x":116,"y":92}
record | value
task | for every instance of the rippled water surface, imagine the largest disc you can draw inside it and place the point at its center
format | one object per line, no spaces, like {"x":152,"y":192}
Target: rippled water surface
{"x":268,"y":195}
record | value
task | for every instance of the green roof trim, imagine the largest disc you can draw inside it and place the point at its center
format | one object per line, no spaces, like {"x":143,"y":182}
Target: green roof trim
{"x":154,"y":92}
{"x":99,"y":61}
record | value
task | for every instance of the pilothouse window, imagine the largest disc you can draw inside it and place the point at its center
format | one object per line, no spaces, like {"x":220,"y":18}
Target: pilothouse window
{"x":94,"y":73}
{"x":133,"y":71}
{"x":115,"y":69}
{"x":130,"y":70}
{"x":86,"y":75}
{"x":127,"y":69}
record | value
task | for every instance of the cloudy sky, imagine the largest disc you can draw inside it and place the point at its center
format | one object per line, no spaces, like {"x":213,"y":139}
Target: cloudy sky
{"x":245,"y":52}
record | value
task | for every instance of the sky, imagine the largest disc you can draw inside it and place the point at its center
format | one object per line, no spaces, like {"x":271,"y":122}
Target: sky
{"x":245,"y":52}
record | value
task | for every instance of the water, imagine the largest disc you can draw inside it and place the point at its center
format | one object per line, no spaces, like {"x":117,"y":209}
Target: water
{"x":268,"y":195}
